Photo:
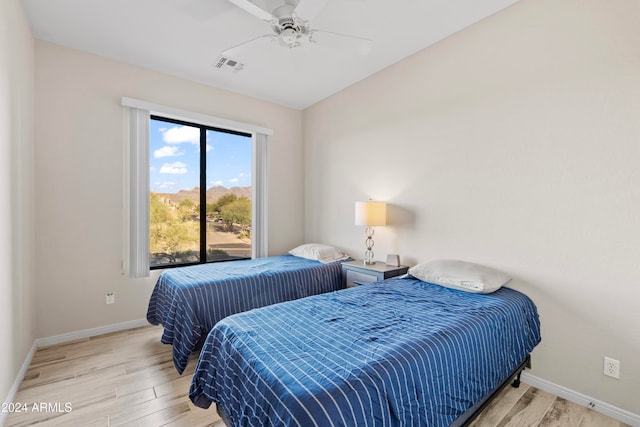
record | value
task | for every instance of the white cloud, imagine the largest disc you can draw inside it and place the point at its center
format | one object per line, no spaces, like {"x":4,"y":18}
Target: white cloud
{"x":217,"y":183}
{"x":175,"y":168}
{"x":180,"y":134}
{"x":233,"y":180}
{"x":167,"y":151}
{"x":164,"y":185}
{"x":209,"y":148}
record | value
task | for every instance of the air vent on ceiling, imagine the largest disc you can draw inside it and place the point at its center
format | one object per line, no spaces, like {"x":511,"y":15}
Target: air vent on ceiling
{"x":228,"y":64}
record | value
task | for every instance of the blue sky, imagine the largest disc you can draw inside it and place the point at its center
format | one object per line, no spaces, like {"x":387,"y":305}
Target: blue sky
{"x":175,"y":152}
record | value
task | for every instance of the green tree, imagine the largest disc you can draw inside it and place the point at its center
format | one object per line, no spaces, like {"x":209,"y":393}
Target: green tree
{"x":211,"y":209}
{"x":182,"y":236}
{"x":160,"y":214}
{"x":187,"y":209}
{"x":223,"y":201}
{"x":237,"y":212}
{"x":171,"y":229}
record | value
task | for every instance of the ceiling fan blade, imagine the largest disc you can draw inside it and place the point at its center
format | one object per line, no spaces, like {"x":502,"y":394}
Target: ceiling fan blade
{"x":237,"y":50}
{"x":341,"y":41}
{"x":306,"y":10}
{"x":254,"y":10}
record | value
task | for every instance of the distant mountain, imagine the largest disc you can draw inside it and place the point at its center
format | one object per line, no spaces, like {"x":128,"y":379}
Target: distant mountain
{"x":213,"y":194}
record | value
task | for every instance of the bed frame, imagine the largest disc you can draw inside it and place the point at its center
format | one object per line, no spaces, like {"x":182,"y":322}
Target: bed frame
{"x":472,"y":413}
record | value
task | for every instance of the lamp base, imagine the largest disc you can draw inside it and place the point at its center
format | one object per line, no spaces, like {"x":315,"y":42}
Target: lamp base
{"x":368,"y":254}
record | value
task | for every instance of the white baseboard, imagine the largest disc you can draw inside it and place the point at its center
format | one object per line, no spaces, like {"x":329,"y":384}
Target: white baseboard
{"x":87,"y":333}
{"x":18,"y":381}
{"x":583,"y":400}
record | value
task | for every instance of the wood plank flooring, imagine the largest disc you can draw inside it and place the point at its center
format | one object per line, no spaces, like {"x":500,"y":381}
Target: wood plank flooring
{"x":128,"y":379}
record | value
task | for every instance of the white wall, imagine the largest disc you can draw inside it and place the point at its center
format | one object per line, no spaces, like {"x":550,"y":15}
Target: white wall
{"x":516,"y":144}
{"x":16,"y":192}
{"x":79,"y":180}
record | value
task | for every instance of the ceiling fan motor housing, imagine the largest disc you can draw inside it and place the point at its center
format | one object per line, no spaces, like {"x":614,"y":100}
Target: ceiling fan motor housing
{"x":290,"y":30}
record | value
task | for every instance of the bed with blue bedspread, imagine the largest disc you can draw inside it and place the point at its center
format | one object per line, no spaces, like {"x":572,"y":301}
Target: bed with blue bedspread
{"x":188,"y":301}
{"x":400,"y":352}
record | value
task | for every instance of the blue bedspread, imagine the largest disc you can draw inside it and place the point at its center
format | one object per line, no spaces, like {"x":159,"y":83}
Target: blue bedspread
{"x":188,"y":301}
{"x":395,"y":353}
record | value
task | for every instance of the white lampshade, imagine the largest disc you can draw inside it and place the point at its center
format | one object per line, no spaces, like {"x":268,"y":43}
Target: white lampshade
{"x":371,"y":213}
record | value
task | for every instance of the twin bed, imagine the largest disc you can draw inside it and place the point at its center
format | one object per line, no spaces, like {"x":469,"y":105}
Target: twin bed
{"x":397,"y":352}
{"x":403,"y":351}
{"x":188,"y":301}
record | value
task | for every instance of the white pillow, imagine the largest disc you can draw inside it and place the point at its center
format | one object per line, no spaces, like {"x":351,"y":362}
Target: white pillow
{"x":319,"y":252}
{"x":462,"y":275}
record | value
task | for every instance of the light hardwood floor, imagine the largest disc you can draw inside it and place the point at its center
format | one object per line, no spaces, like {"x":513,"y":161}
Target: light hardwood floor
{"x":128,"y":379}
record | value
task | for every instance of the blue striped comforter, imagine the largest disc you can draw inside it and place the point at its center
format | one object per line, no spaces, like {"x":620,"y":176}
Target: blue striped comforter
{"x":395,"y":353}
{"x":188,"y":301}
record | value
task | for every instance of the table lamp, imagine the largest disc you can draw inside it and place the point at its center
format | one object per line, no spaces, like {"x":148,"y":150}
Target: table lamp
{"x":370,"y":214}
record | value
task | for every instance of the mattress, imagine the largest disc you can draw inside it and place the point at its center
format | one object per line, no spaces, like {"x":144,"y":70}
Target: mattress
{"x":189,"y":301}
{"x":396,"y":352}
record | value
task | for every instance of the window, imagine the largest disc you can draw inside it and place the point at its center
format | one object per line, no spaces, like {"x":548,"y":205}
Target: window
{"x":200,"y":193}
{"x":171,"y":154}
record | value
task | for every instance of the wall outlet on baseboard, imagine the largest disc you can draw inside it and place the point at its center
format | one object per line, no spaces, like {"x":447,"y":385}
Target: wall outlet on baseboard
{"x":611,"y":367}
{"x":111,"y":298}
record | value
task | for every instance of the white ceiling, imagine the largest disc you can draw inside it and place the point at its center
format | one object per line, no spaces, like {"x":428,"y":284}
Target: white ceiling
{"x":185,"y":37}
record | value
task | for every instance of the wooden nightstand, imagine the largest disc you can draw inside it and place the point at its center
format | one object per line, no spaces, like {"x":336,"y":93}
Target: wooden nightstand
{"x":355,"y":273}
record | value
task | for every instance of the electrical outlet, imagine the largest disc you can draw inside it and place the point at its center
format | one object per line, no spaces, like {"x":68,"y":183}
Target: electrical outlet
{"x":611,"y":367}
{"x":111,"y":298}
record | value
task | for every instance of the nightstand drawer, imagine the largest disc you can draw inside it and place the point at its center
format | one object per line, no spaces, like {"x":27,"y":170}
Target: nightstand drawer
{"x":355,"y":278}
{"x":356,"y":273}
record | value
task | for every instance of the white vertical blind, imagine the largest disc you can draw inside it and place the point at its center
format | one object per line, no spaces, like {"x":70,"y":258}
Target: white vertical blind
{"x":138,"y":263}
{"x":259,"y":223}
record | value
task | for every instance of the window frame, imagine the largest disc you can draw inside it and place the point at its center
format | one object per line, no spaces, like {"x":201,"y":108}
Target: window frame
{"x":202,"y":184}
{"x":136,"y":188}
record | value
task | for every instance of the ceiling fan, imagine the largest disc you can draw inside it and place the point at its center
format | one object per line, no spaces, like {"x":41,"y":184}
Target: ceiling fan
{"x":291,"y":29}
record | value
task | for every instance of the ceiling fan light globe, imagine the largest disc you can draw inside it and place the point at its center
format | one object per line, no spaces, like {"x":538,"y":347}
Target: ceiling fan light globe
{"x":290,"y":37}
